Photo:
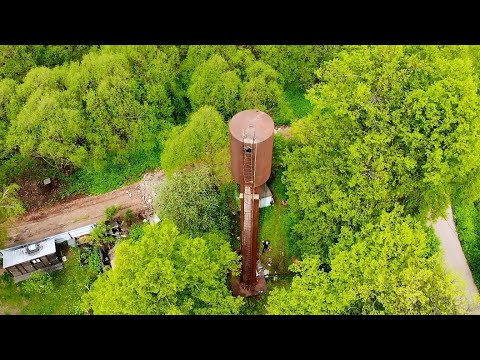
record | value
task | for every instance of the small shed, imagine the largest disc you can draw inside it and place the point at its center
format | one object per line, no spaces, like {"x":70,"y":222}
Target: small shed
{"x":266,"y":196}
{"x":21,"y":261}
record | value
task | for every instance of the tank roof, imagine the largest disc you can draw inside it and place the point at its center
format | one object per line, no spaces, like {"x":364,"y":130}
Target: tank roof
{"x":261,"y":122}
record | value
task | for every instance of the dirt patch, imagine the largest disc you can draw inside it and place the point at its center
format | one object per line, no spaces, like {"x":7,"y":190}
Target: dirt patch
{"x":73,"y":213}
{"x":35,"y":195}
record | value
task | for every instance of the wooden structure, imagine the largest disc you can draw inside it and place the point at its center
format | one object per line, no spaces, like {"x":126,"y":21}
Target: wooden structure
{"x":21,"y":261}
{"x":251,"y":148}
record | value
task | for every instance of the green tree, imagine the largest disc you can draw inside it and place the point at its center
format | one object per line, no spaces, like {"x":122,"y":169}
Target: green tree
{"x":7,"y":92}
{"x":190,"y":199}
{"x":15,"y":61}
{"x":237,"y":57}
{"x":10,"y":206}
{"x":263,"y":91}
{"x":215,"y":83}
{"x":391,"y":124}
{"x":167,"y":273}
{"x":204,"y":139}
{"x":383,"y":269}
{"x":48,"y":123}
{"x":296,"y":63}
{"x":116,"y":101}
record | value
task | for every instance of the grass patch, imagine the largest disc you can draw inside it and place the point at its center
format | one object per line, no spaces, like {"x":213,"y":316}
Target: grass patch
{"x":69,"y":285}
{"x":256,"y":305}
{"x":299,"y":104}
{"x":467,"y":221}
{"x":275,"y":224}
{"x":112,"y":176}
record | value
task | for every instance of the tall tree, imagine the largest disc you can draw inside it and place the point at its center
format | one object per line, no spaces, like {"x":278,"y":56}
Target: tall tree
{"x":167,"y":273}
{"x":383,"y":269}
{"x":204,"y":139}
{"x":262,"y":90}
{"x":191,"y":200}
{"x":215,"y":83}
{"x":296,"y":63}
{"x":46,"y":120}
{"x":391,"y":124}
{"x":15,"y":61}
{"x":116,"y":101}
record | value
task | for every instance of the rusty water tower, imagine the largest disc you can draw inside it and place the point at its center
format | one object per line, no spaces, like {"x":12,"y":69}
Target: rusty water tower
{"x":251,"y":148}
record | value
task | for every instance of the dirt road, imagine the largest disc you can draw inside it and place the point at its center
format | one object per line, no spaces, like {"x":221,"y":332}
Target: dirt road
{"x":453,"y":253}
{"x":84,"y":211}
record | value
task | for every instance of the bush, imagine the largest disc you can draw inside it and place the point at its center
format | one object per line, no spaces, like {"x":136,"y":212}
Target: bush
{"x":111,"y":211}
{"x":99,"y":233}
{"x":136,"y":232}
{"x":191,"y":201}
{"x":128,"y":218}
{"x":92,"y":257}
{"x":39,"y":283}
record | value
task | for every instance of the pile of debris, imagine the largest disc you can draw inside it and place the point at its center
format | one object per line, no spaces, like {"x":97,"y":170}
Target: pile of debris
{"x":147,"y":188}
{"x":115,"y":230}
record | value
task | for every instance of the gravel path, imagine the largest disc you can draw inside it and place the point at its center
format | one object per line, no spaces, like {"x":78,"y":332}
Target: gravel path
{"x":453,"y":253}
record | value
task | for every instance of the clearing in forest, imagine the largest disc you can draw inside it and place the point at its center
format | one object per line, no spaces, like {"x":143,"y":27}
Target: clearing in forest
{"x":47,"y":221}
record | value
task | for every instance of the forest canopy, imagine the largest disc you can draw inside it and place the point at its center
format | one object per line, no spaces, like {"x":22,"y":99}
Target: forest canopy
{"x":371,"y":144}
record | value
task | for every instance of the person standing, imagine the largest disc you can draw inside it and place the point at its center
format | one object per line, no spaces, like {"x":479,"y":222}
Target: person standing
{"x":265,"y":244}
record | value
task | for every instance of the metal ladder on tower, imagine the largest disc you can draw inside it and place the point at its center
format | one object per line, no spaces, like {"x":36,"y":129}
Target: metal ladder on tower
{"x":249,"y":189}
{"x":248,"y":168}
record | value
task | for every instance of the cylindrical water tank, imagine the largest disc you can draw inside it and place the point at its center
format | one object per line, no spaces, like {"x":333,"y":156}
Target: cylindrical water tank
{"x":251,"y":131}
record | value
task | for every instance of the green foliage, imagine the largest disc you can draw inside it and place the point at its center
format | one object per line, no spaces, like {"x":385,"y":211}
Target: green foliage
{"x":300,"y":105}
{"x":10,"y":206}
{"x":433,"y":242}
{"x":190,"y":199}
{"x":391,"y":124}
{"x":99,"y":233}
{"x":236,"y":56}
{"x":116,"y":101}
{"x":214,"y":84}
{"x":136,"y":232}
{"x":296,"y":63}
{"x":112,"y":176}
{"x":231,"y":80}
{"x":17,"y":60}
{"x":92,"y":257}
{"x":39,"y":283}
{"x":275,"y":226}
{"x":167,"y":273}
{"x":383,"y":269}
{"x":262,"y":90}
{"x":467,"y":221}
{"x":68,"y":286}
{"x":7,"y":92}
{"x":111,"y":211}
{"x":204,"y":139}
{"x":128,"y":217}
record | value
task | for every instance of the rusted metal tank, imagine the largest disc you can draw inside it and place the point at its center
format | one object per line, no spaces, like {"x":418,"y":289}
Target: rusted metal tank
{"x":251,"y":148}
{"x":246,"y":127}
